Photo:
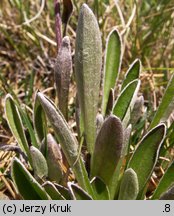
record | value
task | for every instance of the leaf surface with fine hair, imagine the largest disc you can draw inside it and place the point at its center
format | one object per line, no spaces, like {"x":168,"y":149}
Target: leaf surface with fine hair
{"x":88,"y":63}
{"x":107,"y":149}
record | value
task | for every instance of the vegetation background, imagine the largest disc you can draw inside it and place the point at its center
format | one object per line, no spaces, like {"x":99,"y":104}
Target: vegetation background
{"x":28,"y":50}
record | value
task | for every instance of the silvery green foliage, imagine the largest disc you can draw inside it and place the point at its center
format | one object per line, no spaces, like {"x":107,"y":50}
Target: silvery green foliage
{"x":39,"y":163}
{"x":115,"y":167}
{"x":129,"y":185}
{"x":66,"y":139}
{"x":54,"y":158}
{"x":109,"y":143}
{"x":137,"y":111}
{"x":62,"y":70}
{"x":88,"y":63}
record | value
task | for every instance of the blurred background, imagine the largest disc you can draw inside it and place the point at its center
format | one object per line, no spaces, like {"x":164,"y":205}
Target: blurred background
{"x":28,"y":47}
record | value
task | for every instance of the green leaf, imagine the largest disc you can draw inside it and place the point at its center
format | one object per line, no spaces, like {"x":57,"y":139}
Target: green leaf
{"x":129,"y":186}
{"x":39,"y":119}
{"x":113,"y":58}
{"x":62,"y":71}
{"x":88,"y":63}
{"x":54,"y":159}
{"x":165,"y":183}
{"x":27,"y":186}
{"x":125,"y":102}
{"x":108,"y":149}
{"x":79,"y":120}
{"x":100,"y":189}
{"x":145,"y":156}
{"x":78,"y":193}
{"x":126,"y":141}
{"x":39,"y":163}
{"x":27,"y":120}
{"x":166,"y":106}
{"x":15,"y":123}
{"x":137,"y":111}
{"x":115,"y":182}
{"x":52,"y":191}
{"x":67,"y":140}
{"x":132,"y":74}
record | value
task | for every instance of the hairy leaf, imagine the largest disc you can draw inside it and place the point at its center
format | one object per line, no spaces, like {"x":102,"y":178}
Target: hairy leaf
{"x":145,"y":156}
{"x":39,"y":120}
{"x":54,"y":159}
{"x":62,"y":71}
{"x":129,"y":186}
{"x":15,"y":123}
{"x":39,"y":163}
{"x":132,"y":74}
{"x":137,"y":111}
{"x":115,"y":181}
{"x":108,"y":149}
{"x":125,"y":101}
{"x":88,"y":62}
{"x":27,"y":186}
{"x":166,"y":106}
{"x":67,"y":140}
{"x":113,"y":58}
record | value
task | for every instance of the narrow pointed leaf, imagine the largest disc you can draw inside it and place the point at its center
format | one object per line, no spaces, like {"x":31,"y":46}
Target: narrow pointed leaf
{"x":52,"y":191}
{"x":39,"y":163}
{"x":58,"y":23}
{"x":137,"y":111}
{"x":78,"y":193}
{"x":145,"y":156}
{"x":62,"y":71}
{"x":108,"y":149}
{"x":100,"y":189}
{"x":129,"y":186}
{"x":166,"y":106}
{"x":110,"y":103}
{"x":125,"y":101}
{"x":67,"y":140}
{"x":113,"y":58}
{"x":27,"y":186}
{"x":165,"y":183}
{"x":15,"y":123}
{"x":28,"y":122}
{"x":126,"y":141}
{"x":39,"y":120}
{"x":88,"y":63}
{"x":168,"y":195}
{"x":132,"y":74}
